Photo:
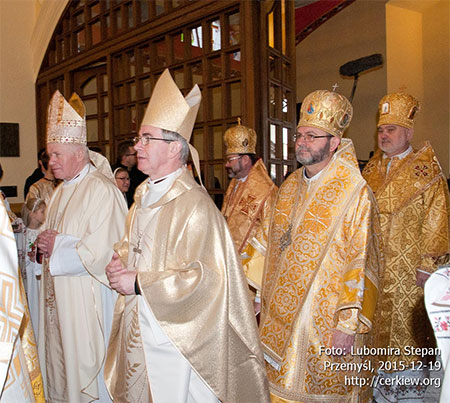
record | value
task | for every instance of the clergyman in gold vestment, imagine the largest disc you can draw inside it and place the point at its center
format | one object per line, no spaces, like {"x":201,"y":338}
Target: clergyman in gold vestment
{"x":184,"y":329}
{"x":413,"y":201}
{"x":248,"y":203}
{"x":84,"y":219}
{"x":322,"y":264}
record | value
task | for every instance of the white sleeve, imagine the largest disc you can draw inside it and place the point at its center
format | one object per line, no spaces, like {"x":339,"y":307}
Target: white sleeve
{"x":37,"y":268}
{"x":65,"y":260}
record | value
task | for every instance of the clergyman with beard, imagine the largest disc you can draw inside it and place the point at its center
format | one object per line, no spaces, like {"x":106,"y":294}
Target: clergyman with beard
{"x":248,"y":204}
{"x":320,"y":281}
{"x":413,"y":199}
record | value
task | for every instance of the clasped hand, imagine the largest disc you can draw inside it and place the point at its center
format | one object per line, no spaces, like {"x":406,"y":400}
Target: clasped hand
{"x":46,"y":241}
{"x":120,"y":279}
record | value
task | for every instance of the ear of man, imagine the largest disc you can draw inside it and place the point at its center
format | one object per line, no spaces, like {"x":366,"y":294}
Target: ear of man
{"x":334,"y":143}
{"x":174,"y":149}
{"x":246,"y":159}
{"x":409,"y":134}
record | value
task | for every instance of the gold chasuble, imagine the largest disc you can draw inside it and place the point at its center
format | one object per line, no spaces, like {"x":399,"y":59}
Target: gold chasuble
{"x":190,"y":276}
{"x":20,"y":375}
{"x":247,"y":207}
{"x":72,"y":331}
{"x":321,"y":273}
{"x":414,"y":209}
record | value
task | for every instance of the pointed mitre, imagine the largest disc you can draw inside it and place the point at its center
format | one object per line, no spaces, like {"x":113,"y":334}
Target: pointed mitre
{"x":66,"y":121}
{"x":169,"y":110}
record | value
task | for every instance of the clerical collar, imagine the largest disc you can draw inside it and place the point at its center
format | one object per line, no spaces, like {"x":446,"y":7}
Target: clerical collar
{"x":401,"y":155}
{"x":243,"y":179}
{"x":313,"y":178}
{"x":77,"y":178}
{"x":159,"y":180}
{"x":159,"y":187}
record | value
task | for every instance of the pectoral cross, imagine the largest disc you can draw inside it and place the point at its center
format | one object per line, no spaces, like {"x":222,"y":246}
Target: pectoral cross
{"x":335,"y":86}
{"x":286,"y":240}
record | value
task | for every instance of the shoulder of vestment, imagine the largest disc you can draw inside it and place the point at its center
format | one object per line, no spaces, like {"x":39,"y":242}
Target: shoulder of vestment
{"x":259,"y":178}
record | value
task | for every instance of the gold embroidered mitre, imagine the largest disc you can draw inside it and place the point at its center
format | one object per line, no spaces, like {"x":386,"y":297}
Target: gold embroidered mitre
{"x":325,"y":110}
{"x":66,"y":121}
{"x":240,"y":140}
{"x":398,"y":109}
{"x":169,"y":110}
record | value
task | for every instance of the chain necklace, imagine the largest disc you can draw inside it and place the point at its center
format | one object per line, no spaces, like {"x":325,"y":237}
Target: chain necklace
{"x":286,"y":238}
{"x":140,"y":233}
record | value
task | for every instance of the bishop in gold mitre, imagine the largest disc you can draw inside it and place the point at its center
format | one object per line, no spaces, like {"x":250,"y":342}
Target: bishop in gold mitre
{"x":184,"y":328}
{"x":248,"y":203}
{"x":320,"y":281}
{"x":84,"y":219}
{"x":413,"y":200}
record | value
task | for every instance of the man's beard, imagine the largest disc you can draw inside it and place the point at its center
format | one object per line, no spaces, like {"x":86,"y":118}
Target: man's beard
{"x":314,"y":157}
{"x":233,"y":173}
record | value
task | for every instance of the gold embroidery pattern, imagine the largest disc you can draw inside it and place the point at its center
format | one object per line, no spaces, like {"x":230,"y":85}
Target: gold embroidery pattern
{"x":248,"y":205}
{"x":421,"y":170}
{"x":15,"y":324}
{"x":30,"y":351}
{"x":244,"y":208}
{"x":321,"y":273}
{"x":414,"y":205}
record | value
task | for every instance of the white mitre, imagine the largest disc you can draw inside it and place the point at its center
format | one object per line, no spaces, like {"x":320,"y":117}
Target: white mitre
{"x":66,"y":121}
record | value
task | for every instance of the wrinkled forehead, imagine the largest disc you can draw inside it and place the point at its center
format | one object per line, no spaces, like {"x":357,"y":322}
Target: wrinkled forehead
{"x":63,"y":149}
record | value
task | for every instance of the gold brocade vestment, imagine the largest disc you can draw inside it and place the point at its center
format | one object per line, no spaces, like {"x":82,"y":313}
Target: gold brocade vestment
{"x":195,"y":286}
{"x":247,"y":207}
{"x":321,"y":273}
{"x":413,"y":201}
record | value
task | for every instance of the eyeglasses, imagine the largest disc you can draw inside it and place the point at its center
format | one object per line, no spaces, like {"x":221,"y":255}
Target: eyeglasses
{"x":309,"y":138}
{"x":122,"y":179}
{"x":146,"y":139}
{"x":228,"y":160}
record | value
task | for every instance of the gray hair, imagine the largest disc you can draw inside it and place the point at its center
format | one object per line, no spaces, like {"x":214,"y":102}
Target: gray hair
{"x":184,"y":153}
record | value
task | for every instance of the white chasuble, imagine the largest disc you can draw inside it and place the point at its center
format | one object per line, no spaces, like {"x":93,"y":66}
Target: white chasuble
{"x":89,"y":214}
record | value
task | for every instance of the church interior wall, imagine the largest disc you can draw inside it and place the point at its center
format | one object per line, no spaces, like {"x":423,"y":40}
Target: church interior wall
{"x":357,"y":31}
{"x":413,"y":38}
{"x":436,"y":70}
{"x":17,"y":89}
{"x":418,"y":62}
